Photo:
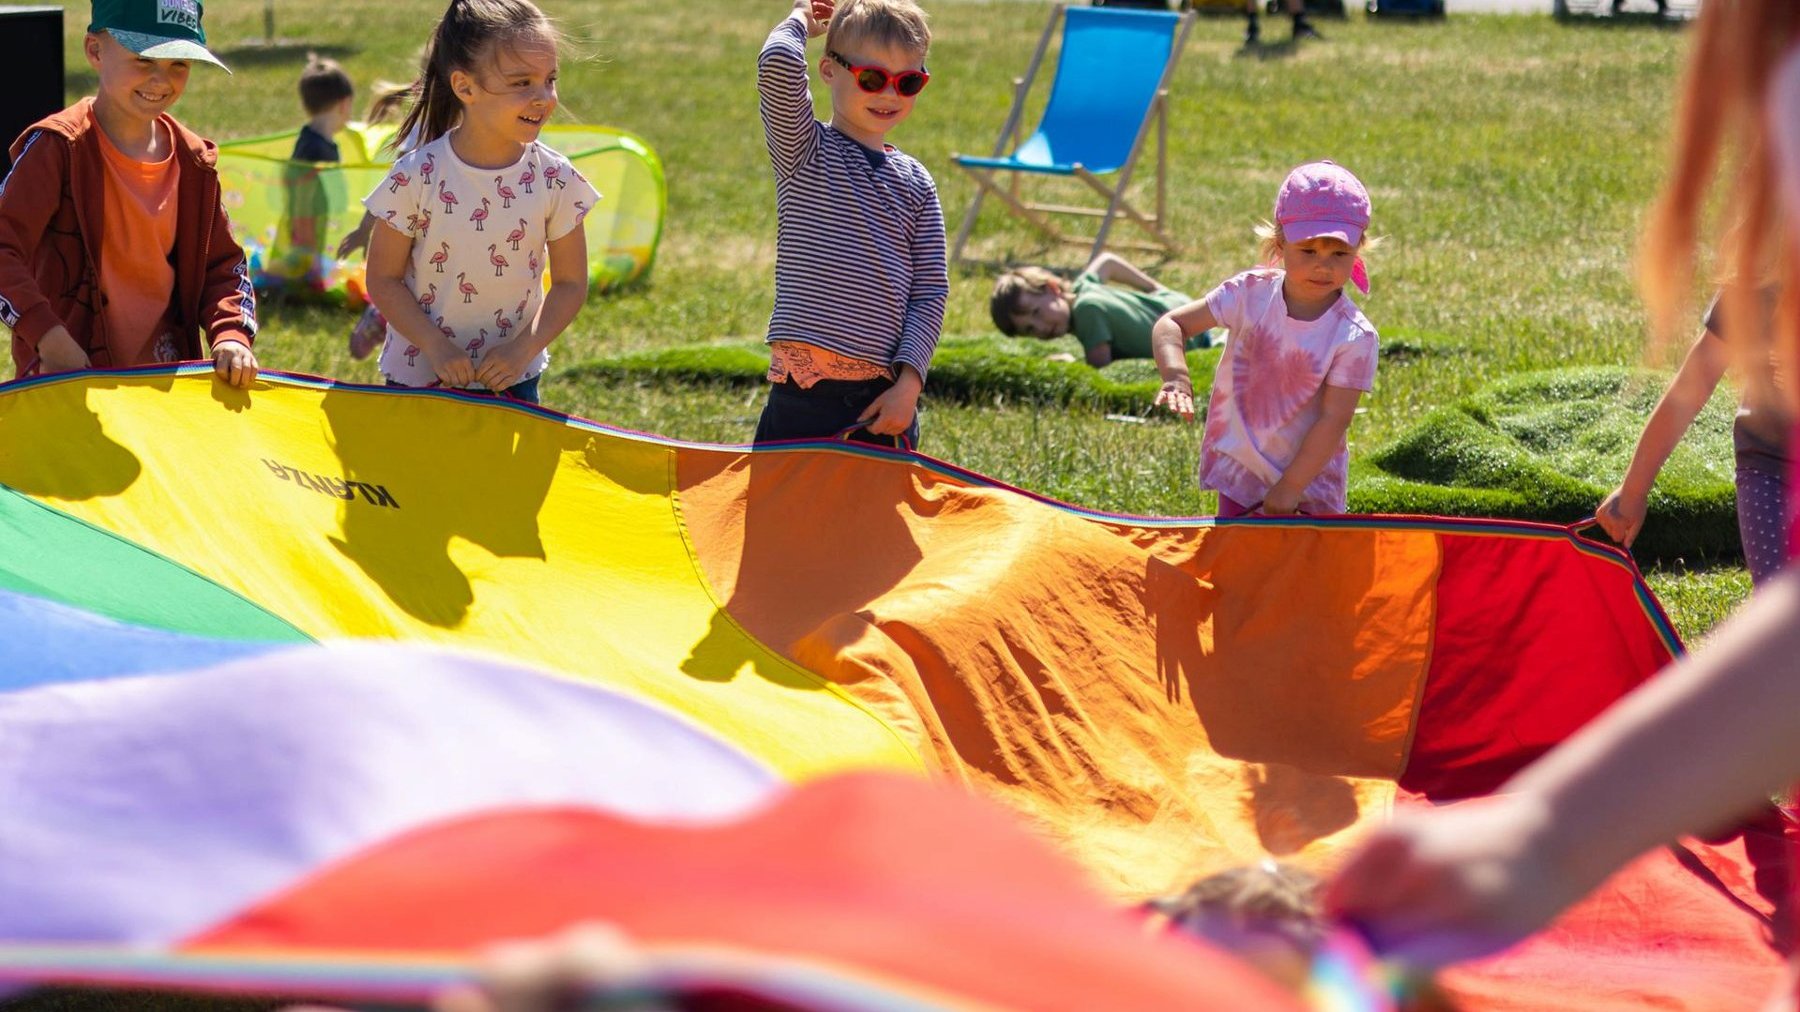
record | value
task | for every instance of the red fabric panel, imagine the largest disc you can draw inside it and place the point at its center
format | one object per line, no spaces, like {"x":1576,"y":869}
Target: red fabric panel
{"x":1690,"y":927}
{"x":891,"y":878}
{"x":1534,"y":637}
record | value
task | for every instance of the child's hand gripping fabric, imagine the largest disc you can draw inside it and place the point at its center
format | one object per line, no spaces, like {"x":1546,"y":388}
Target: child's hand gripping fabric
{"x":890,"y":413}
{"x":235,"y":363}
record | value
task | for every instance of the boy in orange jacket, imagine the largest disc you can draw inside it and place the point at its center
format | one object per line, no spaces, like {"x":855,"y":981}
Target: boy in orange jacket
{"x":114,"y":248}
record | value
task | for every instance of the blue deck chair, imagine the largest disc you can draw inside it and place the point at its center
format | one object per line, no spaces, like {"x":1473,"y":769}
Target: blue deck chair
{"x":1112,"y":82}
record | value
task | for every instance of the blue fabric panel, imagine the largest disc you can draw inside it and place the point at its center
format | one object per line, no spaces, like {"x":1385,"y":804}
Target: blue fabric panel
{"x":44,"y":642}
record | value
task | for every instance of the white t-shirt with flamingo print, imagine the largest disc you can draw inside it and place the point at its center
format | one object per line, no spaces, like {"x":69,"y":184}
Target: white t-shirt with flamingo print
{"x":1265,"y":394}
{"x":479,"y":245}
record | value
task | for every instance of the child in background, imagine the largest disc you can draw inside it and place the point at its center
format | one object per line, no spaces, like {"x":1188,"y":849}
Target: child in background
{"x":390,"y":100}
{"x":1759,"y":439}
{"x":165,"y":269}
{"x":861,"y":275}
{"x":464,"y":298}
{"x":1300,"y":358}
{"x":325,"y":93}
{"x":1109,"y":307}
{"x":1303,"y":29}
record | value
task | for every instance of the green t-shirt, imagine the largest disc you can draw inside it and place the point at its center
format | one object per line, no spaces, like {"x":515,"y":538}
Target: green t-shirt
{"x":1121,"y":317}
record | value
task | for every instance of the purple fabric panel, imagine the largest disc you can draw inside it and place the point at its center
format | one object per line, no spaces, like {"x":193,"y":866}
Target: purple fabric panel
{"x":145,"y":809}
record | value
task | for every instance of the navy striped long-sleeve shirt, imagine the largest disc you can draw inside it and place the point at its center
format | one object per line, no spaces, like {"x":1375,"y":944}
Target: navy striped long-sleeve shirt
{"x":860,"y":265}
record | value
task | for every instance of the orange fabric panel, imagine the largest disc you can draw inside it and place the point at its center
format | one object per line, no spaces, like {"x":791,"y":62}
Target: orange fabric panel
{"x":1340,"y":698}
{"x":1110,"y":692}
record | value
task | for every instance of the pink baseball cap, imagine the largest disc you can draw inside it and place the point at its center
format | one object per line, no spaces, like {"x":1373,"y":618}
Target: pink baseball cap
{"x":1322,"y":199}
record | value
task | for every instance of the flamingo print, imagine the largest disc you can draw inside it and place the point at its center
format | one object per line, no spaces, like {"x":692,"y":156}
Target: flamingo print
{"x":427,"y":167}
{"x":424,"y":222}
{"x":447,"y":197}
{"x":414,"y":223}
{"x":412,"y":356}
{"x":517,"y":235}
{"x":504,"y":191}
{"x":468,"y":290}
{"x":429,"y":297}
{"x":397,"y":180}
{"x":519,"y":310}
{"x":502,"y":322}
{"x":446,"y":331}
{"x":527,"y":177}
{"x":480,"y":214}
{"x":389,"y":217}
{"x":440,"y":257}
{"x":581,"y":211}
{"x":531,"y":261}
{"x":551,"y":174}
{"x":500,"y":263}
{"x":477,"y":344}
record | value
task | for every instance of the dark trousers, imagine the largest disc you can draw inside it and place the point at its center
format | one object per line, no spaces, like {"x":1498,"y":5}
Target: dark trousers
{"x":826,"y":410}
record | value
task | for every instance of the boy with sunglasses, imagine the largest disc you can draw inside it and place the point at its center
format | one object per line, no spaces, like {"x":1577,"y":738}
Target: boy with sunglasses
{"x":861,"y":276}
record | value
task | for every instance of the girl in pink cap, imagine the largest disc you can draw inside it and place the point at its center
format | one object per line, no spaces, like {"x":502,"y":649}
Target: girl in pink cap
{"x":1300,"y":357}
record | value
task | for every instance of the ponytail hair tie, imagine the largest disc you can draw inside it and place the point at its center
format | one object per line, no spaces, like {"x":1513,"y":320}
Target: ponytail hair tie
{"x":1359,"y":276}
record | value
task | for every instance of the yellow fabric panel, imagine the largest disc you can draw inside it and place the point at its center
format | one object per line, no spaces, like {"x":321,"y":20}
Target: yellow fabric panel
{"x":1097,"y":677}
{"x":487,"y":529}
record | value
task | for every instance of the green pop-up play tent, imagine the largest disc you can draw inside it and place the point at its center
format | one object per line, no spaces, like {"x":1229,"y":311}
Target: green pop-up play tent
{"x":290,"y":215}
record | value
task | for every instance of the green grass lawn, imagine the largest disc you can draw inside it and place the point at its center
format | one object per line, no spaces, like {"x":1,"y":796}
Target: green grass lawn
{"x":1510,"y":160}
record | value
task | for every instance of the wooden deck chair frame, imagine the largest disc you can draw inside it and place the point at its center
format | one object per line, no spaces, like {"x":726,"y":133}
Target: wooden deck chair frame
{"x":1038,"y":215}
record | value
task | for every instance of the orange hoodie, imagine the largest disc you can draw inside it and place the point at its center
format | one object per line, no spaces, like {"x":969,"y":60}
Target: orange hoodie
{"x":50,"y":226}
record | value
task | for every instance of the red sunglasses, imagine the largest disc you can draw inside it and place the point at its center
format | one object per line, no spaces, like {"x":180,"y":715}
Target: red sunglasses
{"x":874,"y":80}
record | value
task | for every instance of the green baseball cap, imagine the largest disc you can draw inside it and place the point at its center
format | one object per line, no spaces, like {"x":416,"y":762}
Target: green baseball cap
{"x":158,"y":29}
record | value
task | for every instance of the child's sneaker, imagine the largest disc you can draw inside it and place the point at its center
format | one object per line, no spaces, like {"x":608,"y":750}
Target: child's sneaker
{"x":1303,"y":29}
{"x":369,"y":332}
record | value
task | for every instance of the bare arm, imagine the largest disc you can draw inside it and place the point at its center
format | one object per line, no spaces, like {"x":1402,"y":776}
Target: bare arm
{"x":1168,"y":346}
{"x":389,"y":252}
{"x":1694,"y":747}
{"x":1337,"y":407}
{"x":1110,"y":267}
{"x":1622,"y":512}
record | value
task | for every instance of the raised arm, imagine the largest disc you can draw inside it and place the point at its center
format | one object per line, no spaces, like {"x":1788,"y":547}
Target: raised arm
{"x":781,"y":86}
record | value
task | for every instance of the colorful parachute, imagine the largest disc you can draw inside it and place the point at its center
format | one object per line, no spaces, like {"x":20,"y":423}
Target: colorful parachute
{"x":290,"y":215}
{"x":605,"y":653}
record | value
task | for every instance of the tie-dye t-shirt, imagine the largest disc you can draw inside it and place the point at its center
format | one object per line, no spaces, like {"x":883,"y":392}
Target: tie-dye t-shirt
{"x":1265,"y":395}
{"x":479,"y":245}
